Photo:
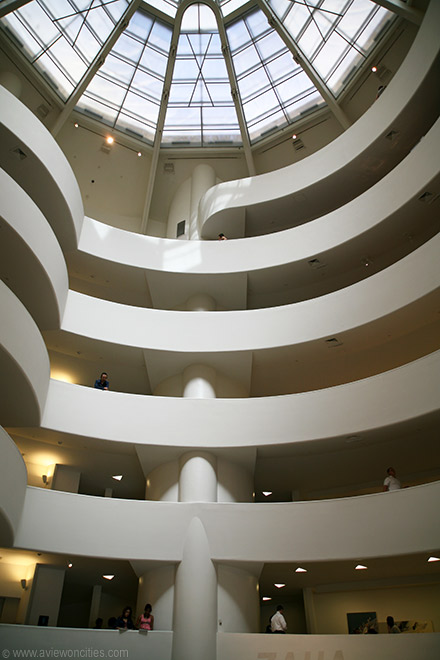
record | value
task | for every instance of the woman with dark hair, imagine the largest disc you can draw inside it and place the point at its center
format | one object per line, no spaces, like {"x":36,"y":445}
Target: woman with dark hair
{"x":146,"y":620}
{"x":125,"y":621}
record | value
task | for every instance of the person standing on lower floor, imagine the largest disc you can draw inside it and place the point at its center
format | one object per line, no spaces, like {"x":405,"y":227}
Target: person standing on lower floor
{"x":278,"y":622}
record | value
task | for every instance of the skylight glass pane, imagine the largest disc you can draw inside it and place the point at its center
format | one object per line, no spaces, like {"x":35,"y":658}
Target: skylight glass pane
{"x":132,"y":78}
{"x":281,"y":68}
{"x":335,"y":35}
{"x":128,"y":48}
{"x":269,"y":80}
{"x":270,"y":46}
{"x":154,"y":62}
{"x":69,"y":33}
{"x":228,"y":6}
{"x":116,"y":69}
{"x":168,"y":7}
{"x":200,"y":91}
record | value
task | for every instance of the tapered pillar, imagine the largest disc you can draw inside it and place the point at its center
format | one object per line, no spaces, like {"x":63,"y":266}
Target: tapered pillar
{"x":195,"y":601}
{"x":203,"y":178}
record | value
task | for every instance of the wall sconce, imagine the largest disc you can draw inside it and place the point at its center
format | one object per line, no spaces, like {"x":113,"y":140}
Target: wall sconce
{"x":23,"y":584}
{"x":44,"y":477}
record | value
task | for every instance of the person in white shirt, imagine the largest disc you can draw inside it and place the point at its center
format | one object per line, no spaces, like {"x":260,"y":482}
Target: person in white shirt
{"x":278,"y":622}
{"x":391,"y":482}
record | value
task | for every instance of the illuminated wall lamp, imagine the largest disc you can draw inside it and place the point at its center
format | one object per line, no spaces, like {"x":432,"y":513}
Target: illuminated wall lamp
{"x":23,"y":584}
{"x":45,"y":479}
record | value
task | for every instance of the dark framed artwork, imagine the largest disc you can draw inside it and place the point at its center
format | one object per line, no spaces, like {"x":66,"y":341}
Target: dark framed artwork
{"x":360,"y":622}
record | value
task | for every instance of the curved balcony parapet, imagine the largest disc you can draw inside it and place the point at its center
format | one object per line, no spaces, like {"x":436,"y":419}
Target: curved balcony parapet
{"x":394,"y":293}
{"x":386,"y":214}
{"x":391,"y":398}
{"x":347,"y":166}
{"x":24,"y":364}
{"x":326,"y":530}
{"x":32,"y":263}
{"x":31,"y":156}
{"x":13,"y":480}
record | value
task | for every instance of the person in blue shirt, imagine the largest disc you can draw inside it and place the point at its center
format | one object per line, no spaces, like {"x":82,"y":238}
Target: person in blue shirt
{"x":102,"y":383}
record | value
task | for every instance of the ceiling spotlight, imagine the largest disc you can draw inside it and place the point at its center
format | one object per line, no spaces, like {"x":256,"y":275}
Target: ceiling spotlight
{"x":434,"y":559}
{"x":360,"y":567}
{"x":110,"y":139}
{"x":267,"y":598}
{"x":108,"y":577}
{"x":76,"y":125}
{"x":279,"y":585}
{"x":374,"y":69}
{"x":300,"y":570}
{"x":266,"y":493}
{"x":294,"y":136}
{"x":69,"y":565}
{"x":139,"y":153}
{"x":117,"y":477}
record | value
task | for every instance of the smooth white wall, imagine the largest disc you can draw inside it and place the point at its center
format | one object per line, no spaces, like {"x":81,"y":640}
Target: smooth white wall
{"x":45,"y":173}
{"x":13,"y":479}
{"x":347,"y":528}
{"x":156,"y":587}
{"x":232,"y":646}
{"x":384,"y":294}
{"x":37,"y":273}
{"x":372,"y":208}
{"x":238,"y":600}
{"x":24,"y":362}
{"x":112,"y":643}
{"x":390,"y":398}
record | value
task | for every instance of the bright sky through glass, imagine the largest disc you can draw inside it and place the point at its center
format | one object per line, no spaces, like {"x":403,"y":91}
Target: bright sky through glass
{"x":61,"y":38}
{"x":334,"y":35}
{"x":274,"y":89}
{"x":200,"y":110}
{"x":127,"y":90}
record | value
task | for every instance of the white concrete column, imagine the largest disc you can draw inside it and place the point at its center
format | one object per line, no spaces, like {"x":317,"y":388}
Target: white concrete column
{"x":203,"y":178}
{"x":65,"y":478}
{"x":45,"y":598}
{"x":238,"y":599}
{"x":200,"y":302}
{"x":95,"y":604}
{"x":309,"y":609}
{"x":195,"y":603}
{"x":157,"y":588}
{"x":198,"y":477}
{"x":199,"y":382}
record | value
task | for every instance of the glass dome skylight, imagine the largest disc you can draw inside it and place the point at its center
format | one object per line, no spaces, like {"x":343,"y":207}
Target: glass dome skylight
{"x":220,"y":72}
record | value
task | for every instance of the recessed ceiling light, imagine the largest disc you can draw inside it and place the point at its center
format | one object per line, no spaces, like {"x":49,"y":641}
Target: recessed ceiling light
{"x":434,"y":559}
{"x":360,"y":567}
{"x":300,"y":570}
{"x":294,"y":136}
{"x":108,"y":577}
{"x":266,"y":493}
{"x":267,"y":598}
{"x":69,"y":565}
{"x":110,"y":139}
{"x":117,"y":477}
{"x":76,"y":125}
{"x":139,"y":153}
{"x":374,"y":69}
{"x":279,"y":585}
